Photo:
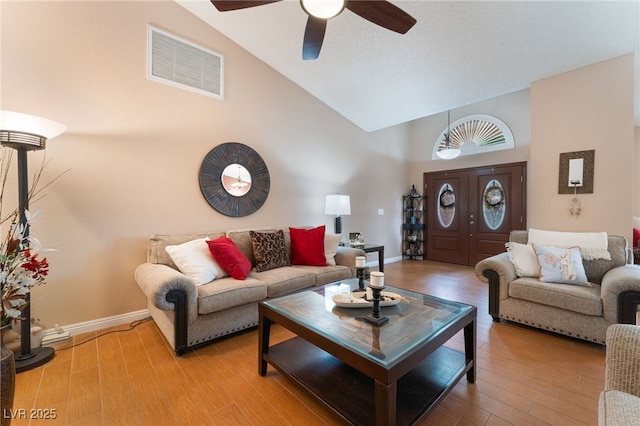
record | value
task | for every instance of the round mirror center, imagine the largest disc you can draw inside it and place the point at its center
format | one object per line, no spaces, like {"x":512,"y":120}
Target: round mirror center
{"x":236,"y":180}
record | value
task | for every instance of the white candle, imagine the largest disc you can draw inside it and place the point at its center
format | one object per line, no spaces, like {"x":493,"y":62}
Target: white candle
{"x":361,"y":261}
{"x":377,"y":279}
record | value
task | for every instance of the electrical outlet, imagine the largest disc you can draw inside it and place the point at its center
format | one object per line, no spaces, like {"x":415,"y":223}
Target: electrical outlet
{"x":380,"y":212}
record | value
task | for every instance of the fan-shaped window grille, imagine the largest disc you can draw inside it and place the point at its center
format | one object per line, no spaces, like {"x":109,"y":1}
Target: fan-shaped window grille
{"x":487,"y":132}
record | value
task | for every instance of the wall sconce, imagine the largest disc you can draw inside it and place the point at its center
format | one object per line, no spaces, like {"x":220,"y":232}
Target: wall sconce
{"x":576,"y":177}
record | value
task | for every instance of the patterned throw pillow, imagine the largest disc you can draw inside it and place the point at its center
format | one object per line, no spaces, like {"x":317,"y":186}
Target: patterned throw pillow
{"x":269,"y":250}
{"x":560,"y":265}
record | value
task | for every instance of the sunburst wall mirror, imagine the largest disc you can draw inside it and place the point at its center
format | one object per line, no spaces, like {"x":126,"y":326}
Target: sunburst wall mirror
{"x":234,"y":179}
{"x":488,"y":133}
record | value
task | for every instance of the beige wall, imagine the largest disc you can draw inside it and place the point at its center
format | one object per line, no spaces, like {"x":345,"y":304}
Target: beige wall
{"x":588,"y":108}
{"x":134,"y":147}
{"x":636,"y":174}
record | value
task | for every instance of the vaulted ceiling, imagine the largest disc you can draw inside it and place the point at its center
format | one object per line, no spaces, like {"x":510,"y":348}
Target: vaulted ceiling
{"x":458,"y":53}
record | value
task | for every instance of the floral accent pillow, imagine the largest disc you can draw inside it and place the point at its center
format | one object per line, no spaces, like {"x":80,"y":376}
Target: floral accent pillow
{"x":560,"y":265}
{"x":269,"y":250}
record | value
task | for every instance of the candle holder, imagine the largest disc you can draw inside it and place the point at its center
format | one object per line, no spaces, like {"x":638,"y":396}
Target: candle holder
{"x":375,"y":317}
{"x":360,"y":275}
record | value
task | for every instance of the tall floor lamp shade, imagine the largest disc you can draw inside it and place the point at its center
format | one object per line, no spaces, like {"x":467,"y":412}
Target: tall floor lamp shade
{"x":337,"y":205}
{"x":24,"y":132}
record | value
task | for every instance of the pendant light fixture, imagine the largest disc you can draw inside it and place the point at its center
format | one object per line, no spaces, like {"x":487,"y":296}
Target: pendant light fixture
{"x":448,"y":152}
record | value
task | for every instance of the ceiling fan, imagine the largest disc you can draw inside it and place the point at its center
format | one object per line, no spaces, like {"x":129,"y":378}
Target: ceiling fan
{"x":380,"y":12}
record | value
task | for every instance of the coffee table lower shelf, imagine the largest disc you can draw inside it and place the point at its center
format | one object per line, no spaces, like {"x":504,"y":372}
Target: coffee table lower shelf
{"x":350,"y":393}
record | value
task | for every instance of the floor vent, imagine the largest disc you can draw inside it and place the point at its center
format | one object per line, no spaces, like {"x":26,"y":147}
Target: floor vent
{"x":181,"y":63}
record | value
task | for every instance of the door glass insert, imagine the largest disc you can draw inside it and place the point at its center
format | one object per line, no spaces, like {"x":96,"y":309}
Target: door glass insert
{"x":446,"y":205}
{"x":493,"y":204}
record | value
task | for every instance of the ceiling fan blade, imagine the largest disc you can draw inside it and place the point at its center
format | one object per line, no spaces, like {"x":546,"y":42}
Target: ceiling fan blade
{"x":313,"y":37}
{"x":382,"y":13}
{"x":227,"y":5}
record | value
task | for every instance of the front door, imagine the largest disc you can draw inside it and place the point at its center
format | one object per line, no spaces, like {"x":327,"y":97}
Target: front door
{"x":470,"y":212}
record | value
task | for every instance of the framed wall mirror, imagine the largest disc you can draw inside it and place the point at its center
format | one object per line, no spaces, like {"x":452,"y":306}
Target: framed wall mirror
{"x":234,"y":179}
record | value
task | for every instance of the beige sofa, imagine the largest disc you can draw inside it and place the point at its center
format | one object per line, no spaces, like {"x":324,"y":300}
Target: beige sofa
{"x":190,"y":315}
{"x":584,"y":312}
{"x":619,"y":403}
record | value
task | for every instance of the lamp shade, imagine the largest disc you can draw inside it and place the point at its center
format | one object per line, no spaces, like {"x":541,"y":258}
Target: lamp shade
{"x":26,"y":131}
{"x":337,"y":204}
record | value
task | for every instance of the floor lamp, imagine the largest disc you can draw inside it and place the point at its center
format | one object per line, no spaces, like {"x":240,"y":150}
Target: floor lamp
{"x":24,"y":132}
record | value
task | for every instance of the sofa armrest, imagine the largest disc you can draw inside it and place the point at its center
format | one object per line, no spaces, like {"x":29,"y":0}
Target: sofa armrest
{"x":163,"y":284}
{"x":620,"y":293}
{"x":346,"y":256}
{"x":623,"y":359}
{"x":498,"y":271}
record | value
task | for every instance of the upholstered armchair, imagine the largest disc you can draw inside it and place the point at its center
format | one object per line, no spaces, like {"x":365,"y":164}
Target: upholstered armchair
{"x":620,"y":401}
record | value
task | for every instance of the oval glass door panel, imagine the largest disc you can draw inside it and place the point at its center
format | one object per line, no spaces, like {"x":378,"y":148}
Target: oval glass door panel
{"x":493,"y":204}
{"x":446,"y":205}
{"x":236,"y":180}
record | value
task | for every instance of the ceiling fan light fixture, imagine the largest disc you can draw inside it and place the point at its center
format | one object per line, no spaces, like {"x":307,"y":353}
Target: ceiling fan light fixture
{"x":323,"y":9}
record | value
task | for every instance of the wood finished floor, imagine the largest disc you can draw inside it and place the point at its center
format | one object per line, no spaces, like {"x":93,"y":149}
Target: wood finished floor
{"x":525,"y":376}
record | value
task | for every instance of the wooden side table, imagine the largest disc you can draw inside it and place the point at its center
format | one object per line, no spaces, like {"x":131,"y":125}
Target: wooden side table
{"x":372,"y":248}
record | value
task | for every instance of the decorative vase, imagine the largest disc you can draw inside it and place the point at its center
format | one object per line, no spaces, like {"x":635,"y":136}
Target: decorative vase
{"x":7,"y":384}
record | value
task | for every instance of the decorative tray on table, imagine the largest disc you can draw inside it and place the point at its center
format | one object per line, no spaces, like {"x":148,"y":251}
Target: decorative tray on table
{"x":358,"y":300}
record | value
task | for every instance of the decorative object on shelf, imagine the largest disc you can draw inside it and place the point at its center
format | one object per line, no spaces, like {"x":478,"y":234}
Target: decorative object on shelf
{"x":576,"y":172}
{"x":338,"y":205}
{"x":487,"y":132}
{"x":376,"y":285}
{"x":356,"y":240}
{"x":413,"y":226}
{"x":361,"y":264}
{"x":234,"y":179}
{"x":18,"y":253}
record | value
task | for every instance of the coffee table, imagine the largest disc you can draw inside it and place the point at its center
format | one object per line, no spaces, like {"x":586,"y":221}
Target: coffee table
{"x":369,"y":374}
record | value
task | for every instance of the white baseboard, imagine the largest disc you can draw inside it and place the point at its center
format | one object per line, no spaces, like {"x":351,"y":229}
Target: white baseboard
{"x":101,"y":323}
{"x":393,"y":259}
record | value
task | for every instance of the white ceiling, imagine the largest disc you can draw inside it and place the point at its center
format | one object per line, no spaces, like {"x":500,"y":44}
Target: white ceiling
{"x":458,"y":53}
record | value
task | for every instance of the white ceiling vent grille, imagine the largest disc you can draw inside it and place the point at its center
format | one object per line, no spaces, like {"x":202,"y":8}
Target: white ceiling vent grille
{"x":181,"y":63}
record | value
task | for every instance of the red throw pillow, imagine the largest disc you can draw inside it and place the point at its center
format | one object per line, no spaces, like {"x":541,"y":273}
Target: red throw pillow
{"x":307,"y":246}
{"x":229,"y":257}
{"x":636,"y":237}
